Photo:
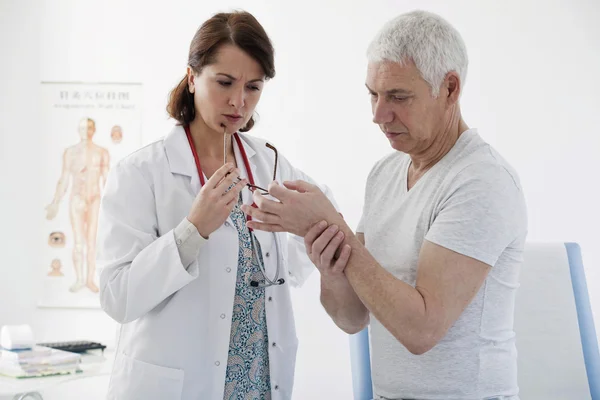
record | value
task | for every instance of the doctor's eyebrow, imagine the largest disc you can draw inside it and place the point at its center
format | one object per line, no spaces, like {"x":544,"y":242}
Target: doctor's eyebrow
{"x":235,"y":79}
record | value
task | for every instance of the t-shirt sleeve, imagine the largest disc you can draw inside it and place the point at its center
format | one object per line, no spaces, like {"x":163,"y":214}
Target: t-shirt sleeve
{"x":482,"y":214}
{"x":360,"y":228}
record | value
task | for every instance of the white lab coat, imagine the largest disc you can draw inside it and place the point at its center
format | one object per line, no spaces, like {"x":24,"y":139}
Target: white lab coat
{"x":176,"y":323}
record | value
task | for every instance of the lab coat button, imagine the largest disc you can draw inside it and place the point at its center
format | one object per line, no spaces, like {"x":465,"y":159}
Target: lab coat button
{"x":268,"y":254}
{"x":217,"y":363}
{"x":270,"y":298}
{"x":228,"y":269}
{"x":178,"y":242}
{"x":222,"y":316}
{"x":276,"y":387}
{"x":274,"y":344}
{"x":227,"y":224}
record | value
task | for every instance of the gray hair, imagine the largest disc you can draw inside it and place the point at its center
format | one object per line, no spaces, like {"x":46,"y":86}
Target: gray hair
{"x":426,"y":39}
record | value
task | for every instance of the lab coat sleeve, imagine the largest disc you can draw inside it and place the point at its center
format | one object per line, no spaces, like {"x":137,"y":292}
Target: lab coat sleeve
{"x":138,"y":269}
{"x":299,"y":265}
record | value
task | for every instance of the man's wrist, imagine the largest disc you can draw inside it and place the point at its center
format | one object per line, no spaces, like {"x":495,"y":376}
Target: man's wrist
{"x":334,"y":283}
{"x":349,"y":236}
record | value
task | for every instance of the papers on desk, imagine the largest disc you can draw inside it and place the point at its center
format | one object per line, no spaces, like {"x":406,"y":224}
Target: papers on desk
{"x":37,"y":361}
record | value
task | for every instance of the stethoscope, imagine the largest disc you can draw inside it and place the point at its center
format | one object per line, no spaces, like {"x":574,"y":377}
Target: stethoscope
{"x":253,"y":283}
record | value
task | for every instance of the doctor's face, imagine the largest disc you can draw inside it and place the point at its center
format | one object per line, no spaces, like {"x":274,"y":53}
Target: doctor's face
{"x":227,"y":91}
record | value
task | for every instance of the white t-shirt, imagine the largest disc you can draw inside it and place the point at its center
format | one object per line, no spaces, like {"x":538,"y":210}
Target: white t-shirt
{"x":470,"y":202}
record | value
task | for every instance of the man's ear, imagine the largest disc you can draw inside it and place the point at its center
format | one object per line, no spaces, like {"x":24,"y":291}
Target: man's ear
{"x":452,"y":87}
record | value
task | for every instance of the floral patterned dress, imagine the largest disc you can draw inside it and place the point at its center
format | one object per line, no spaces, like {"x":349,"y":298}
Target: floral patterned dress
{"x":247,"y":375}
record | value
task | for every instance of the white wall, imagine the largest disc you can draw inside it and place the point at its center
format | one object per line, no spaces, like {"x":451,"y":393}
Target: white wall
{"x":532,"y":90}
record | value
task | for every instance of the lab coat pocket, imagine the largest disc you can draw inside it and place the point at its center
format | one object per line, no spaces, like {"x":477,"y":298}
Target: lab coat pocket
{"x":138,"y":380}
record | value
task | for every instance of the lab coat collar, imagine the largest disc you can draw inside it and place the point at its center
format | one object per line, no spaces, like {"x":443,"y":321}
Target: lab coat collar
{"x":181,"y":158}
{"x":179,"y":153}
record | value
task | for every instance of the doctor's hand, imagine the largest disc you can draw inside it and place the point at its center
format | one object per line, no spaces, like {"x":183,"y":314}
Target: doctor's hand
{"x":326,"y":249}
{"x":216,"y":199}
{"x":300,"y":206}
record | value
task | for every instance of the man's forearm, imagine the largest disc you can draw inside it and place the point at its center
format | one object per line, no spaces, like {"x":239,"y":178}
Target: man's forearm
{"x":397,"y":305}
{"x":343,"y":305}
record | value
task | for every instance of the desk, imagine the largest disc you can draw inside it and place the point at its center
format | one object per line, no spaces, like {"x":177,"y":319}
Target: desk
{"x":92,"y":365}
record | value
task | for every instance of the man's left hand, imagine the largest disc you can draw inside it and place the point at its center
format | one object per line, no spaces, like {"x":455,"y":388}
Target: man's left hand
{"x":301,"y":205}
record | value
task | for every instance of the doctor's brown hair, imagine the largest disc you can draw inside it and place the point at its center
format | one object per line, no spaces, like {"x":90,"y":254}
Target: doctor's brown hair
{"x":238,"y":28}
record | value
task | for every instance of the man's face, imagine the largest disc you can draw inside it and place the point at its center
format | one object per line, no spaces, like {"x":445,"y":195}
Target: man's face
{"x":87,"y":129}
{"x":116,"y":134}
{"x":403,"y":107}
{"x":56,"y":265}
{"x":91,"y":129}
{"x":83,"y":124}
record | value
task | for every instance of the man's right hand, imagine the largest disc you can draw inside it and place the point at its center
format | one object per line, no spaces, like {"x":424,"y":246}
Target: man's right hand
{"x":322,"y":243}
{"x":214,"y":203}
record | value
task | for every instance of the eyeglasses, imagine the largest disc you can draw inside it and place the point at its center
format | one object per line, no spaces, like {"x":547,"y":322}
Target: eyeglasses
{"x":265,"y":191}
{"x":256,"y":245}
{"x":249,"y":185}
{"x":255,"y":281}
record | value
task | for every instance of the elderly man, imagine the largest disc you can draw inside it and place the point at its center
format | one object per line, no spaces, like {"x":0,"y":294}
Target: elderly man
{"x":434,"y":264}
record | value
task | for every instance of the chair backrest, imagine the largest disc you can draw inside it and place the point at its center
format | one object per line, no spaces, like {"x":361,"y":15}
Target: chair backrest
{"x":557,"y":346}
{"x":556,"y":341}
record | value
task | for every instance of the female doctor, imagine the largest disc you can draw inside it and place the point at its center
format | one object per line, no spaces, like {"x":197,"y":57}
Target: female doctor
{"x":203,"y":301}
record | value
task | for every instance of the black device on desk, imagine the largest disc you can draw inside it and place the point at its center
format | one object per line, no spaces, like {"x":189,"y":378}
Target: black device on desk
{"x":75,"y":346}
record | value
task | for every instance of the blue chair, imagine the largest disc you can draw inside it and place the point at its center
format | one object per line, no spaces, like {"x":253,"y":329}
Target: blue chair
{"x":587,"y":330}
{"x":360,"y":360}
{"x":556,"y":338}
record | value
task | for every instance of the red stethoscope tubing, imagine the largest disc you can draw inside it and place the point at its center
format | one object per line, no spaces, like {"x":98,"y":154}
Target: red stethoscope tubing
{"x":199,"y":167}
